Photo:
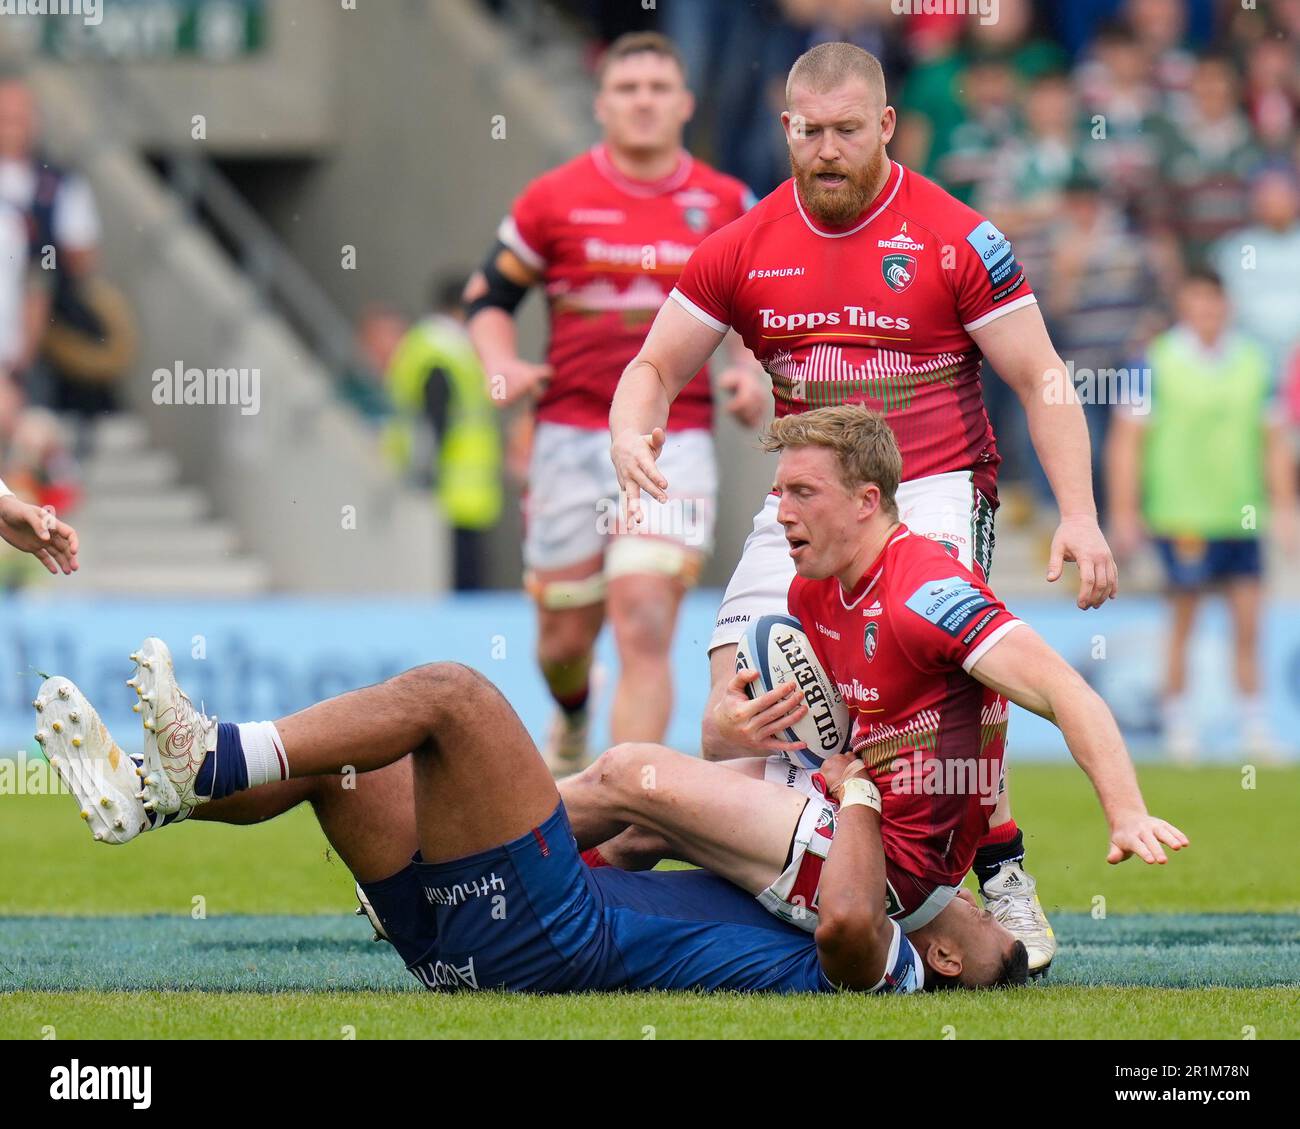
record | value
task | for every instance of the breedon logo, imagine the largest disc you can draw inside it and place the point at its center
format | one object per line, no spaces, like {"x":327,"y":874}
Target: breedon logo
{"x":899,"y":271}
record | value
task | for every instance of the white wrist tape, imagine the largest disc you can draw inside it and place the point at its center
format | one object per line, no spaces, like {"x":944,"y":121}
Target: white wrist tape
{"x":859,"y":790}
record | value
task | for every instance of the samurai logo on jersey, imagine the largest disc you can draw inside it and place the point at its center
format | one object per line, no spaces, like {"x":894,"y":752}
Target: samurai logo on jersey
{"x":899,"y":271}
{"x":779,"y":272}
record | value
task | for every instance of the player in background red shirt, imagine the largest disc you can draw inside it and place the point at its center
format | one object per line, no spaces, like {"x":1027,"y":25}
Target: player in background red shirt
{"x":860,"y":281}
{"x":607,"y":235}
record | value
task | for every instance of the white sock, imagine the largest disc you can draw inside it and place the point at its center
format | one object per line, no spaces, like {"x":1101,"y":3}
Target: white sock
{"x":263,"y":753}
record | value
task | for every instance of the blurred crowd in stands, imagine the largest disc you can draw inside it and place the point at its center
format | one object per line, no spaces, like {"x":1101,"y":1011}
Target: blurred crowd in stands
{"x":66,"y":335}
{"x":1120,"y":143}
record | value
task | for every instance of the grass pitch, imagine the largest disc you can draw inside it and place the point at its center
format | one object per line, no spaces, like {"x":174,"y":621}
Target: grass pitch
{"x":207,"y":931}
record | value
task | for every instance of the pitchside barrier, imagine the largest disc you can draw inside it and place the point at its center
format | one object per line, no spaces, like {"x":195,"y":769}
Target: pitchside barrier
{"x":251,"y":660}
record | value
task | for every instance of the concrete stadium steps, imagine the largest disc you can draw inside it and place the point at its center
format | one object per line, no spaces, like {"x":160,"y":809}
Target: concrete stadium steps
{"x":144,"y":532}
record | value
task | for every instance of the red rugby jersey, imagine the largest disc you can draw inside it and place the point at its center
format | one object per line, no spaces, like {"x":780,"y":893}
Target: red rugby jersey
{"x":879,"y":312}
{"x":899,"y":647}
{"x":609,"y":250}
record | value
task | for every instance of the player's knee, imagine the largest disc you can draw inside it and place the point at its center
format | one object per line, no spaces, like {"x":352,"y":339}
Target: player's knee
{"x":563,"y":643}
{"x":442,"y":689}
{"x":643,"y":630}
{"x":626,"y":767}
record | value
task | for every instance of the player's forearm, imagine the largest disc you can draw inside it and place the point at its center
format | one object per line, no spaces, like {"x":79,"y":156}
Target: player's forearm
{"x":496,"y":338}
{"x":641,"y":401}
{"x":853,"y":931}
{"x":853,"y":878}
{"x":1095,"y":742}
{"x":1059,"y":434}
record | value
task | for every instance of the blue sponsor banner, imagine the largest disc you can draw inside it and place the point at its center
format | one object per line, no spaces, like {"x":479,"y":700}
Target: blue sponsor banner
{"x":260,"y":659}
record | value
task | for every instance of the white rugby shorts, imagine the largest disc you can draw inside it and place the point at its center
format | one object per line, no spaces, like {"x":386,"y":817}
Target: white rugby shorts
{"x":573,"y":506}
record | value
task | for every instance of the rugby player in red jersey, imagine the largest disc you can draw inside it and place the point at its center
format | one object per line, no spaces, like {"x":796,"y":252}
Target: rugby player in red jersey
{"x":607,"y":235}
{"x":860,"y":281}
{"x":923,"y":653}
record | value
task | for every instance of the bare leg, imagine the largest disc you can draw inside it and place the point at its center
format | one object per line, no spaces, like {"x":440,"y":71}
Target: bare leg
{"x":1243,"y":603}
{"x":635,"y":848}
{"x":566,"y":637}
{"x":372,"y":825}
{"x":643,"y":612}
{"x":479,"y":780}
{"x":257,"y":805}
{"x":736,"y":825}
{"x":1184,"y":608}
{"x":369,"y":819}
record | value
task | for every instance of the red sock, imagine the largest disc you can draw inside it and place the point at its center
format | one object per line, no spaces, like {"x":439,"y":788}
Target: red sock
{"x":593,"y":858}
{"x":575,"y":702}
{"x":1002,"y":833}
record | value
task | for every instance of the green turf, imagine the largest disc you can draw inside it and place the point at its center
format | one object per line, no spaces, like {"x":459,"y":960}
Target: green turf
{"x":61,"y":964}
{"x":1037,"y":1013}
{"x":329,"y":952}
{"x":48,"y":864}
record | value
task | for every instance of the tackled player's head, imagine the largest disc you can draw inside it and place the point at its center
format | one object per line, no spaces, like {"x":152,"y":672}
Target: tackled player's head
{"x":839,"y":470}
{"x":642,"y":100}
{"x":967,"y":947}
{"x":837,"y":124}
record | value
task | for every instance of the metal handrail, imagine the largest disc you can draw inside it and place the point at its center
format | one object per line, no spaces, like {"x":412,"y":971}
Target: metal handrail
{"x":277,"y":276}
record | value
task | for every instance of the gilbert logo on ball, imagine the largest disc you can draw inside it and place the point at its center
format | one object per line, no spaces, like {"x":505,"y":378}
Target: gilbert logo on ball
{"x":778,"y":648}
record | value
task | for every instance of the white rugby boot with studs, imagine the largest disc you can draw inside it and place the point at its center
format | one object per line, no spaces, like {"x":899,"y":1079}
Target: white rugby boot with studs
{"x":177,"y":737}
{"x":92,"y":765}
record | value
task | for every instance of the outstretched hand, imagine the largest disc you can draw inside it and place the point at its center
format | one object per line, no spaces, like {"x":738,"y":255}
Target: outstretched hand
{"x":635,"y":462}
{"x":1081,"y":540}
{"x":1142,"y":835}
{"x":35,"y":530}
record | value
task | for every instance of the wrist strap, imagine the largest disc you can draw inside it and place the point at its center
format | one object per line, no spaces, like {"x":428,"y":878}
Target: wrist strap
{"x":859,"y":790}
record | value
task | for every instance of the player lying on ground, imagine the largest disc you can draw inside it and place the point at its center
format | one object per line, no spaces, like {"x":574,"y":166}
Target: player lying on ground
{"x":739,"y":828}
{"x":36,"y":530}
{"x":920,"y":648}
{"x":494,"y":894}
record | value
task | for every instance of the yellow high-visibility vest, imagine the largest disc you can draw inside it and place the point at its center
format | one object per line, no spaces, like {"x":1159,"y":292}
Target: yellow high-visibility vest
{"x":468,"y":474}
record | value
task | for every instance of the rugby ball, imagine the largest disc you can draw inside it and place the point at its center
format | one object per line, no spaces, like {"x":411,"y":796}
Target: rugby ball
{"x":777,"y":647}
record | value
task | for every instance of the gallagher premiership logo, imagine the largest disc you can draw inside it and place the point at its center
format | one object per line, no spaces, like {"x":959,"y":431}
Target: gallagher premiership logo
{"x":899,"y":271}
